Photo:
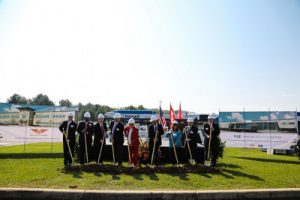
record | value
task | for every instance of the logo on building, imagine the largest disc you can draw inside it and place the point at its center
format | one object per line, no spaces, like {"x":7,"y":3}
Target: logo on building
{"x":39,"y":131}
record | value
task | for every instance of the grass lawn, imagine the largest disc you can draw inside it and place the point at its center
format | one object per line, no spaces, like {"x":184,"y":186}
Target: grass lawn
{"x":242,"y":168}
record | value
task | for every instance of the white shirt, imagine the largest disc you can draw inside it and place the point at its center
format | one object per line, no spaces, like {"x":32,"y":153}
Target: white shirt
{"x":129,"y":135}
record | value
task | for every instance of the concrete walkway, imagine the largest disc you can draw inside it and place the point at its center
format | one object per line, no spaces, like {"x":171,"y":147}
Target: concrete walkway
{"x":49,"y":194}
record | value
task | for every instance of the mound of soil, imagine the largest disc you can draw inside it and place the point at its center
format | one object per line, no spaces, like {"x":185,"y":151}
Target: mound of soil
{"x":142,"y":170}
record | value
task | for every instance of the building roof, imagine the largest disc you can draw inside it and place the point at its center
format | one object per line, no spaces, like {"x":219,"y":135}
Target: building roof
{"x":7,"y":107}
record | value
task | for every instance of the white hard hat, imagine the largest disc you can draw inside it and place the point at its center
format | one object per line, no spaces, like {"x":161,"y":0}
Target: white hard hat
{"x":175,"y":122}
{"x":100,"y":116}
{"x":117,"y":116}
{"x":131,"y":121}
{"x":210,"y":117}
{"x":71,"y":114}
{"x":190,"y":119}
{"x":87,"y":114}
{"x":153,"y":118}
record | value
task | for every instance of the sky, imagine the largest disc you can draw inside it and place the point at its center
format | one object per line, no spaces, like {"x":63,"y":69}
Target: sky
{"x":225,"y":55}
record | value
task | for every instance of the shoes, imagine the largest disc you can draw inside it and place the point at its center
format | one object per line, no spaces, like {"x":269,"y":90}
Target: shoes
{"x":131,"y":165}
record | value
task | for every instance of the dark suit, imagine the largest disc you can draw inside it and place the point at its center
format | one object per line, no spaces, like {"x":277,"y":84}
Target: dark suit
{"x":194,"y":137}
{"x":99,"y":134}
{"x":88,"y":129}
{"x":214,"y":146}
{"x":71,"y":129}
{"x":151,"y":136}
{"x":118,"y":140}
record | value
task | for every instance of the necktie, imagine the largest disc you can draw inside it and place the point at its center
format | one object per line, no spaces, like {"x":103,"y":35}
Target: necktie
{"x":67,"y":131}
{"x":102,"y":129}
{"x":86,"y":127}
{"x":114,"y":127}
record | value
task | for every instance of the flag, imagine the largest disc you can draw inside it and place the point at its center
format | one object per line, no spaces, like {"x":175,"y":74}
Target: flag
{"x":162,"y":119}
{"x":180,"y":112}
{"x":172,"y":115}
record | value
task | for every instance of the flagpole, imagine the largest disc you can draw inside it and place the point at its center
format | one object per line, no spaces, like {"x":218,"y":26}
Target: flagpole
{"x":159,"y":104}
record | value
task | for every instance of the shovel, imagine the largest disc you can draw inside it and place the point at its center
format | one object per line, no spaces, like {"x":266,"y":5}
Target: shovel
{"x":191,"y":160}
{"x":207,"y":162}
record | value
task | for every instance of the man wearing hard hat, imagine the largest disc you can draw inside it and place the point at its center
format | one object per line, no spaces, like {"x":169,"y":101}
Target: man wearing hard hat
{"x":155,"y":131}
{"x":68,"y":128}
{"x":85,"y":129}
{"x":213,"y":128}
{"x":117,"y":129}
{"x":132,"y":134}
{"x":190,"y":139}
{"x":100,"y":130}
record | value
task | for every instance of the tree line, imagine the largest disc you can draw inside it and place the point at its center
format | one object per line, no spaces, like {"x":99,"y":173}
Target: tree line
{"x":94,"y":109}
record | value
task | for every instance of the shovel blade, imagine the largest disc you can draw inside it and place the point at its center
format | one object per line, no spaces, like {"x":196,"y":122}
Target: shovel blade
{"x":192,"y":161}
{"x":207,"y":163}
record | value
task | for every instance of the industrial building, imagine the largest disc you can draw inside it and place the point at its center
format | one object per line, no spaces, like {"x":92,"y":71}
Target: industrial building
{"x":34,"y":115}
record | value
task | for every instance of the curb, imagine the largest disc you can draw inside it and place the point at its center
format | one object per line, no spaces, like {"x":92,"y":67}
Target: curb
{"x":49,"y":194}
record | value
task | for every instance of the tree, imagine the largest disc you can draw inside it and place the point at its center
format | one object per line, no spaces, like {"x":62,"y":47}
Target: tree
{"x":141,"y":107}
{"x":42,"y":99}
{"x":94,"y":110}
{"x":65,"y":102}
{"x":17,"y":99}
{"x":131,"y":107}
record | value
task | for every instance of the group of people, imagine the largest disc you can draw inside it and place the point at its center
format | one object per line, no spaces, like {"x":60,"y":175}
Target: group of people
{"x":92,"y":139}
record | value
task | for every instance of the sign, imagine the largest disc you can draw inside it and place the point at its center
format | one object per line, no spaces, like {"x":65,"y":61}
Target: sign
{"x":277,"y":130}
{"x":259,"y":140}
{"x":13,"y":135}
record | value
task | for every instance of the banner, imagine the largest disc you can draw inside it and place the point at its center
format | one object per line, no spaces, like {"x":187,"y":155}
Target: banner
{"x":259,"y":140}
{"x":269,"y":129}
{"x":14,"y":135}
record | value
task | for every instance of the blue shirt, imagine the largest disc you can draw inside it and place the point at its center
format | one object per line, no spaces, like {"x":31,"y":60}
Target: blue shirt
{"x":177,"y":135}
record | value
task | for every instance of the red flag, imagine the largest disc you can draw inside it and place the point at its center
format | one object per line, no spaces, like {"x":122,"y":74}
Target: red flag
{"x":172,"y":115}
{"x":180,"y":112}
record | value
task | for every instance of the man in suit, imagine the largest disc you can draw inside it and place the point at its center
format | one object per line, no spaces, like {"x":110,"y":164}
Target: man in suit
{"x":117,"y":137}
{"x":214,"y":137}
{"x":68,"y":128}
{"x":154,"y":130}
{"x":85,"y":129}
{"x":191,"y":136}
{"x":100,"y":130}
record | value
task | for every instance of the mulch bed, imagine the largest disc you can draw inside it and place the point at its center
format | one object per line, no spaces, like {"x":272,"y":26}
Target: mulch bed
{"x":142,"y":170}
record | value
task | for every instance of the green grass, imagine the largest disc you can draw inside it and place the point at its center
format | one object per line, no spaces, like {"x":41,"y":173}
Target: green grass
{"x":242,"y":168}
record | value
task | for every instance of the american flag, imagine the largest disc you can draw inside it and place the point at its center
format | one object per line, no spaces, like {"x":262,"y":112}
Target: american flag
{"x":162,"y":119}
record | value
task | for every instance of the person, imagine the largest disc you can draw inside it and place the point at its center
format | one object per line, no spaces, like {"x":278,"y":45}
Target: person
{"x":132,"y":134}
{"x":100,"y":130}
{"x":68,"y":128}
{"x":85,"y":130}
{"x":117,"y":129}
{"x":175,"y":139}
{"x":191,"y":136}
{"x":154,"y":129}
{"x":214,"y":137}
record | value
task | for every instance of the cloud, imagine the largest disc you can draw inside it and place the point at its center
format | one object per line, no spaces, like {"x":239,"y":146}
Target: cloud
{"x":236,"y":116}
{"x":12,"y":108}
{"x":289,"y":116}
{"x":264,"y":118}
{"x":273,"y":116}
